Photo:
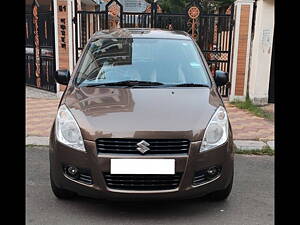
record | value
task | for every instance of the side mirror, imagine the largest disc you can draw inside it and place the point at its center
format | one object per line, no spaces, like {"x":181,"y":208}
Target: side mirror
{"x":221,"y":78}
{"x":62,"y":76}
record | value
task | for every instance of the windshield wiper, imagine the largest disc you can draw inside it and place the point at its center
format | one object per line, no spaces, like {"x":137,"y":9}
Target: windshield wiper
{"x":191,"y":85}
{"x":128,"y":83}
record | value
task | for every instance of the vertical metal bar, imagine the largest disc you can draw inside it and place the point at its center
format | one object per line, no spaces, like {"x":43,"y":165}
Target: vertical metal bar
{"x":148,"y":21}
{"x":230,"y":36}
{"x":94,"y":23}
{"x":53,"y":47}
{"x":121,"y":15}
{"x":98,"y":21}
{"x":88,"y":26}
{"x":229,"y":45}
{"x":223,"y":37}
{"x":83,"y":28}
{"x":154,"y":14}
{"x":106,"y":16}
{"x":101,"y":20}
{"x":76,"y":31}
{"x":121,"y":20}
{"x":37,"y":66}
{"x":80,"y":29}
{"x":218,"y":36}
{"x":34,"y":50}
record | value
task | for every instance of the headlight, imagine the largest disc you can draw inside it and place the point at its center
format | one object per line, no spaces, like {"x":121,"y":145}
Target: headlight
{"x":216,"y":132}
{"x":67,"y":130}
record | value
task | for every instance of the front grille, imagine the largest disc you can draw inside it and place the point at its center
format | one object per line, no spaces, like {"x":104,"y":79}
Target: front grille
{"x":129,"y":146}
{"x":141,"y":181}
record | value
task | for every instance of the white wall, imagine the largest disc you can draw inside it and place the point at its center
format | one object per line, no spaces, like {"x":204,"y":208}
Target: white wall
{"x":260,"y":61}
{"x":234,"y":52}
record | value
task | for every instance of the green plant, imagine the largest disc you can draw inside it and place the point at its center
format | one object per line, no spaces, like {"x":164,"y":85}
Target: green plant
{"x":254,"y":109}
{"x":264,"y":151}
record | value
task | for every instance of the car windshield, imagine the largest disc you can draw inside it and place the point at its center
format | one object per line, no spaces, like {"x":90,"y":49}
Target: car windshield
{"x":146,"y":61}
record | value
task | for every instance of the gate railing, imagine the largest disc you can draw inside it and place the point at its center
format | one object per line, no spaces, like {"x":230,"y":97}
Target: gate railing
{"x":215,"y":43}
{"x":141,"y":20}
{"x":39,"y":49}
{"x":211,"y":31}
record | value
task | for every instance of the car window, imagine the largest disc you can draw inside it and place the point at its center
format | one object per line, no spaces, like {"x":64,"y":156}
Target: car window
{"x":166,"y":61}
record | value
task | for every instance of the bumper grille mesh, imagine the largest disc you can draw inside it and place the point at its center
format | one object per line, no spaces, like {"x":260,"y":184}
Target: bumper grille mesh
{"x":142,"y":182}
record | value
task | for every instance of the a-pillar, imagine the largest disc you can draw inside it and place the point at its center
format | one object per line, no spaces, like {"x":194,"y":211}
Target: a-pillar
{"x":243,"y":11}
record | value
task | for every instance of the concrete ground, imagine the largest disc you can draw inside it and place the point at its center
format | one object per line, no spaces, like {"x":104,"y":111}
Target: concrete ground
{"x":251,"y":201}
{"x":32,"y":92}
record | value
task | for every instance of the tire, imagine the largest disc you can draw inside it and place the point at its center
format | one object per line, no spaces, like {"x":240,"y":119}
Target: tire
{"x":61,"y":193}
{"x":222,"y":194}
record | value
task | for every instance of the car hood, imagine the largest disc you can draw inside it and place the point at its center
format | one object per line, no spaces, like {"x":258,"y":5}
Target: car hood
{"x":168,"y":113}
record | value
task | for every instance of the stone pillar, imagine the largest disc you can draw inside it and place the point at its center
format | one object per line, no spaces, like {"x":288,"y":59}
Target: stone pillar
{"x":261,"y":55}
{"x":243,"y":10}
{"x":62,"y":44}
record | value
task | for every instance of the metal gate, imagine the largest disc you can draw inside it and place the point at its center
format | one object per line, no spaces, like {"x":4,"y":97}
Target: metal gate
{"x":210,"y":29}
{"x":39,"y":49}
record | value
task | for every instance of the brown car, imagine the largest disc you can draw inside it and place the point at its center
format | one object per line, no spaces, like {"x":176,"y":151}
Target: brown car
{"x":141,"y":118}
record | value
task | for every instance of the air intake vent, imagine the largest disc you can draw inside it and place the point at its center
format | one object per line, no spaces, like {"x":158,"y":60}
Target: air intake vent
{"x":142,"y":182}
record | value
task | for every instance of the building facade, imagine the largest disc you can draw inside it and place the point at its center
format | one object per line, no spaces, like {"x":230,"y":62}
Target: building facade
{"x":253,"y":57}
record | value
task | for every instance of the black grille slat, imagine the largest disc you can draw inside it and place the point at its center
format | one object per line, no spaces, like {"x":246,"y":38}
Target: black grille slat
{"x":134,"y":146}
{"x":140,"y":185}
{"x":86,"y":179}
{"x":129,"y":146}
{"x":126,"y":141}
{"x":133,"y":151}
{"x":139,"y":176}
{"x":142,"y":182}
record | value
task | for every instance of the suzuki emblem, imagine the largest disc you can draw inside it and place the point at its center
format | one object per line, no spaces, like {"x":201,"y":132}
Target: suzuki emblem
{"x":143,"y":146}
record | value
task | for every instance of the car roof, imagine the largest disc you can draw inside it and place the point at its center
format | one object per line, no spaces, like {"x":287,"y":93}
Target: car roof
{"x":141,"y":33}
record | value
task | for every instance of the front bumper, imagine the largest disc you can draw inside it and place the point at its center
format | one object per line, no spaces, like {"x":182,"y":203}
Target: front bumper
{"x":98,"y":164}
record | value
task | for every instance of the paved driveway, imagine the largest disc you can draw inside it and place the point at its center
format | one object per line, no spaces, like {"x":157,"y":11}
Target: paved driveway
{"x":250,"y":203}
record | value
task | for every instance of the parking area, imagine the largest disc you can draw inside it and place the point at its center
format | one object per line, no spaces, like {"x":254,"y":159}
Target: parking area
{"x":250,"y":203}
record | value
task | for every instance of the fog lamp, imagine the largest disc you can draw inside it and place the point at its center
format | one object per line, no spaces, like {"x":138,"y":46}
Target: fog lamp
{"x":212,"y":171}
{"x":72,"y":171}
